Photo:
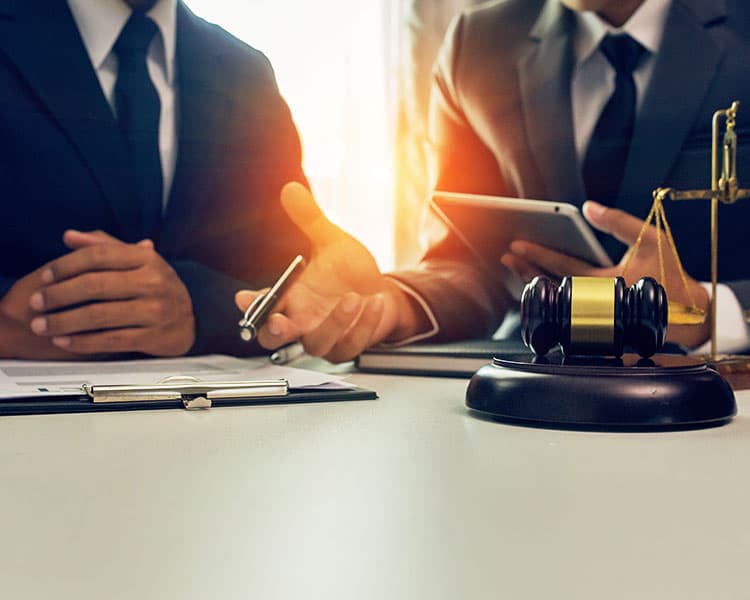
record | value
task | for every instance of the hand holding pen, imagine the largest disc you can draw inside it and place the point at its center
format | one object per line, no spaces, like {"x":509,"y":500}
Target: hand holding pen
{"x":341,"y":303}
{"x":259,"y":309}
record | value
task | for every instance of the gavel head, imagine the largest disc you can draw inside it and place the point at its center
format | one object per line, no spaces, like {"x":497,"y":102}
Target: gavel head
{"x":594,"y":316}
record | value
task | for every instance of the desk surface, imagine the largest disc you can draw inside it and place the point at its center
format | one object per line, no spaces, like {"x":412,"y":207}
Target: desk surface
{"x":406,"y":497}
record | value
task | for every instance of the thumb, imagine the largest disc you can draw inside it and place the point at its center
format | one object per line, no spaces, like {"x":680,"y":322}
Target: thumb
{"x":245,"y":298}
{"x":623,"y":226}
{"x":300,"y":205}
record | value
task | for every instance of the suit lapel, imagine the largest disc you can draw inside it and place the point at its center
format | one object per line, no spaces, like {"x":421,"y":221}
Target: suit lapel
{"x":688,"y":58}
{"x":41,"y":38}
{"x":545,"y":71}
{"x":203,"y":106}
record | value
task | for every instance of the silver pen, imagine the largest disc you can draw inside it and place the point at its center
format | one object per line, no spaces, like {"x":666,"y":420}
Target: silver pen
{"x":260,"y":308}
{"x":287,"y":354}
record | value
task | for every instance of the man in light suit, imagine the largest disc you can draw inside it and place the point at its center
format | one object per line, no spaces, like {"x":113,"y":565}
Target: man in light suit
{"x":86,"y":266}
{"x":519,"y":88}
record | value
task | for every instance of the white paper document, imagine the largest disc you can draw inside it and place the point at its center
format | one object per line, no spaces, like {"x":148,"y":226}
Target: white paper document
{"x":24,"y":378}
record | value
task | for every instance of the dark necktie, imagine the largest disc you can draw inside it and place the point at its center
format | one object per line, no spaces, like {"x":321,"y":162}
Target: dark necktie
{"x":607,"y":152}
{"x":138,"y":109}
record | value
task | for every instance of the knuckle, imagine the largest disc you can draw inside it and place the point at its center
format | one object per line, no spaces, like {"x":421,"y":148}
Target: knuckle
{"x":315,"y":348}
{"x":98,"y":253}
{"x":159,"y":310}
{"x":154,"y":280}
{"x":94,"y":284}
{"x":342,"y":319}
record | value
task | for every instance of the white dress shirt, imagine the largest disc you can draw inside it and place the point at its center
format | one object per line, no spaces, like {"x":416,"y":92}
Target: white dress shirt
{"x":594,"y":78}
{"x":100,"y":23}
{"x":589,"y":97}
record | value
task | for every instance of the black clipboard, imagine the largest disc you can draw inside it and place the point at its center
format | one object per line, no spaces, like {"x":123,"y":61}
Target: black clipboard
{"x":86,"y":403}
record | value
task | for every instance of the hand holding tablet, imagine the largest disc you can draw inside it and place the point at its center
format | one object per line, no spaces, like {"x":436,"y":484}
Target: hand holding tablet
{"x":488,"y":225}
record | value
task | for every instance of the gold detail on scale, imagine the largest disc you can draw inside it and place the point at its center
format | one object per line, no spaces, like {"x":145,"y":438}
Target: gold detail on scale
{"x":592,"y":311}
{"x":679,"y":314}
{"x":724,"y":188}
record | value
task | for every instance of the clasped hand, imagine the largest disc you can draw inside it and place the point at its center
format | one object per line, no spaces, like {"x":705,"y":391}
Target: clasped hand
{"x":104,"y":297}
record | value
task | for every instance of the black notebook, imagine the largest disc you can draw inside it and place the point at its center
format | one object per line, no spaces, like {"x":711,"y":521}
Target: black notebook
{"x":456,"y":359}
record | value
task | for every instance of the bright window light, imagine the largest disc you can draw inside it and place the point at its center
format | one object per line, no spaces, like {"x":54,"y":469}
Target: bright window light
{"x":331,"y":61}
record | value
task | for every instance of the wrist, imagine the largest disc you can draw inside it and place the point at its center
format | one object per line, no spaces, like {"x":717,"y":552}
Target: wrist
{"x":410,"y":318}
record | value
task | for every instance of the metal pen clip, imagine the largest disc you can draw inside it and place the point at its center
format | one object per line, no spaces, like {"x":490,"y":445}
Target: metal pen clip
{"x":260,"y":307}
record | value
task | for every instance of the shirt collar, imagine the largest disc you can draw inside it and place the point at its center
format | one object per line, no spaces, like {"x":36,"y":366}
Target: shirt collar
{"x":646,"y":26}
{"x":100,"y":23}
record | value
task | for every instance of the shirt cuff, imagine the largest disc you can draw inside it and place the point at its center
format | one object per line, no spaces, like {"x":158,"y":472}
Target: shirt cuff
{"x":434,"y":327}
{"x":732,"y":333}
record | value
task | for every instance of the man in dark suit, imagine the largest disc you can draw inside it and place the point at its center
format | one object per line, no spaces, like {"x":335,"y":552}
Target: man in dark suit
{"x":137,"y":196}
{"x":518,"y":125}
{"x":520,"y":93}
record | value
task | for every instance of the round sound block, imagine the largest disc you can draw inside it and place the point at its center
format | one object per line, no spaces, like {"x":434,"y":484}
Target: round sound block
{"x":663,"y":392}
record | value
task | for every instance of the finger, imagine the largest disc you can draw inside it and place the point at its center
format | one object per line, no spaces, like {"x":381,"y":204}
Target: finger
{"x":300,"y":205}
{"x":99,"y":257}
{"x":522,"y":268}
{"x":244,"y":298}
{"x":623,"y":226}
{"x":75,"y":239}
{"x":322,"y":339}
{"x":113,"y":341}
{"x":551,"y":261}
{"x":98,"y":285}
{"x":360,"y":333}
{"x":279,"y":330}
{"x":94,"y":317}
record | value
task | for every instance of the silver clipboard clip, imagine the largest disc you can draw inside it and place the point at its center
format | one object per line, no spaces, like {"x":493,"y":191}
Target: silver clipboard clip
{"x":193,"y":392}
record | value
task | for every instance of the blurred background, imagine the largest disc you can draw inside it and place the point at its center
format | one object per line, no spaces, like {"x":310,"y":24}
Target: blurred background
{"x":355,"y":74}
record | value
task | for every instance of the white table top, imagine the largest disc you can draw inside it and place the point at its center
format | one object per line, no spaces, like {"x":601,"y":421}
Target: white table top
{"x":405,"y":497}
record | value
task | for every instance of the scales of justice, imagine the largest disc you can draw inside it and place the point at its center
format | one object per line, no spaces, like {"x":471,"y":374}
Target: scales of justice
{"x":602,"y":388}
{"x":724,"y":189}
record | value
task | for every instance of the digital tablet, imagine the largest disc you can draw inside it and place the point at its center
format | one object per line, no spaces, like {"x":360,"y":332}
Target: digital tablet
{"x":488,"y":224}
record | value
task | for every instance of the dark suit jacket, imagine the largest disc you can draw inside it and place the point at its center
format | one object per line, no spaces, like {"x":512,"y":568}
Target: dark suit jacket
{"x":501,"y":124}
{"x":63,"y":162}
